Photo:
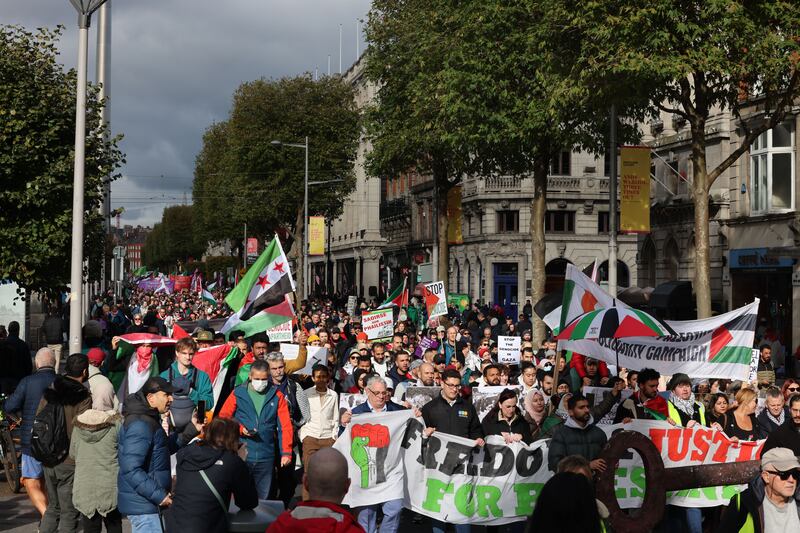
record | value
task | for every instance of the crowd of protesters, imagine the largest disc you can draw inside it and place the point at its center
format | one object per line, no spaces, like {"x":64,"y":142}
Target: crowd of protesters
{"x":128,"y":456}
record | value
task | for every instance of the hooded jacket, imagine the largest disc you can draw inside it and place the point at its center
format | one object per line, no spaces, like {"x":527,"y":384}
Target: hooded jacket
{"x":194,"y":507}
{"x":572,"y":439}
{"x":315,"y":517}
{"x":94,"y":447}
{"x":745,"y":512}
{"x":144,"y":449}
{"x":73,"y":396}
{"x":25,"y":400}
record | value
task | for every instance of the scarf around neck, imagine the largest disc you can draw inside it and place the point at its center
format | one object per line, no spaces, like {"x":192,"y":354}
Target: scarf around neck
{"x":777,"y":421}
{"x":687,"y":406}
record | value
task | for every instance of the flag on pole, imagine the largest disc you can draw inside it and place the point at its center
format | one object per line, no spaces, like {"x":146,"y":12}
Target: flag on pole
{"x":197,"y":282}
{"x":399,"y":297}
{"x":261,"y":321}
{"x":215,"y":361}
{"x":208,"y":297}
{"x":582,"y":295}
{"x":264,"y":285}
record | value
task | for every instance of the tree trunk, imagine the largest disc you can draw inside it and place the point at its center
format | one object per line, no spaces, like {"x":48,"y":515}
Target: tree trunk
{"x":300,"y":253}
{"x":444,"y":248}
{"x":700,"y":187}
{"x":538,"y":209}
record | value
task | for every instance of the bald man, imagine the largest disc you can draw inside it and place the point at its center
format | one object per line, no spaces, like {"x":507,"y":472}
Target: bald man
{"x":25,"y":400}
{"x":426,"y":375}
{"x":326,"y":481}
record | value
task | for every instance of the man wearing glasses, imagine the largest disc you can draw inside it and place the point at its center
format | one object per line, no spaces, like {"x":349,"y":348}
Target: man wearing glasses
{"x":377,"y":401}
{"x":787,"y":435}
{"x":449,"y":413}
{"x":771,"y":501}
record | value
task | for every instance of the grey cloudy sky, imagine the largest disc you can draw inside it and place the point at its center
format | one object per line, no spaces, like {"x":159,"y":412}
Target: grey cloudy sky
{"x":175,"y":65}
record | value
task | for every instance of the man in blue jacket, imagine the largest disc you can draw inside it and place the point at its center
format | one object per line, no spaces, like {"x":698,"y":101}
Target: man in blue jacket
{"x":377,"y":401}
{"x":262,"y":412}
{"x":25,"y":400}
{"x":144,"y":455}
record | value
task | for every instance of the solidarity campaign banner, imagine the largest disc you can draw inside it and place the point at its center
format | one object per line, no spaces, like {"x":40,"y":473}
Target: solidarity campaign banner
{"x":449,"y":478}
{"x":373,"y":445}
{"x":378,"y":324}
{"x":716,"y":347}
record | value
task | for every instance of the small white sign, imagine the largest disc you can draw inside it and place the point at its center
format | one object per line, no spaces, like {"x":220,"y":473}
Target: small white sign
{"x":281,"y":333}
{"x":508,"y":350}
{"x":435,"y":299}
{"x":756,"y":355}
{"x":316,"y":355}
{"x":378,"y":324}
{"x":351,"y":306}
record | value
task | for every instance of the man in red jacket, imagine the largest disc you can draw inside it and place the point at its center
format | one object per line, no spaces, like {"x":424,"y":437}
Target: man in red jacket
{"x":327,"y":483}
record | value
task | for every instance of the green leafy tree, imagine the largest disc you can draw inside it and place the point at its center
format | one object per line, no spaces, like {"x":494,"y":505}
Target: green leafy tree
{"x":173,"y":240}
{"x":240,"y":177}
{"x":37,"y":135}
{"x":691,"y":59}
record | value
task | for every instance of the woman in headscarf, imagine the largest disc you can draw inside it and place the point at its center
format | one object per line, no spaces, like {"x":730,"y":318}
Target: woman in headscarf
{"x":536,"y":412}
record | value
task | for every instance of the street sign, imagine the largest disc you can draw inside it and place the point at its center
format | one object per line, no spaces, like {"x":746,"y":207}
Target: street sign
{"x":119,"y":252}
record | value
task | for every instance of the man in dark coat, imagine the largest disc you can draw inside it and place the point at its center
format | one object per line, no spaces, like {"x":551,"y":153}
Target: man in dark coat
{"x":16,"y":358}
{"x":787,"y":435}
{"x":144,"y":455}
{"x":25,"y":401}
{"x":579,"y":435}
{"x":69,"y":392}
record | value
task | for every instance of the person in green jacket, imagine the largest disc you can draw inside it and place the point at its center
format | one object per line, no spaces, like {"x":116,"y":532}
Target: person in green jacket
{"x":94,"y":489}
{"x":201,"y":388}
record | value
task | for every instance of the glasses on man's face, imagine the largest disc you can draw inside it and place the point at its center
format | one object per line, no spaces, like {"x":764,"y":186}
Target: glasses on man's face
{"x":786,"y":475}
{"x":379,"y":393}
{"x":450,"y":385}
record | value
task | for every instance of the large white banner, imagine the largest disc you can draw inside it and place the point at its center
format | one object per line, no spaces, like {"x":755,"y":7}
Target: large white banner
{"x":716,"y":347}
{"x":378,"y":324}
{"x":372,"y":445}
{"x":450,"y":479}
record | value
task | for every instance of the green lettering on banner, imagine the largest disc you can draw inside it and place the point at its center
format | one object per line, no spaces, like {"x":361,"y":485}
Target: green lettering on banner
{"x":488,"y":497}
{"x":436,"y":491}
{"x":729,"y":491}
{"x":619,"y":474}
{"x":638,"y":479}
{"x":527,"y":494}
{"x":464,"y":500}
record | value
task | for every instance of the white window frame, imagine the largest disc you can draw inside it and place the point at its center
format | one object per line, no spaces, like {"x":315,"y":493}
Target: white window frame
{"x":765,"y":153}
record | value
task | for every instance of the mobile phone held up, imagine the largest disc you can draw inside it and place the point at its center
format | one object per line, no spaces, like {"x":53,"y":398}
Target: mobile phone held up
{"x":201,"y":412}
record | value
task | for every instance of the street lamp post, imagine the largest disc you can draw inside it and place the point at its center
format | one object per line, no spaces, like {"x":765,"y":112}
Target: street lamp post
{"x":85,"y":9}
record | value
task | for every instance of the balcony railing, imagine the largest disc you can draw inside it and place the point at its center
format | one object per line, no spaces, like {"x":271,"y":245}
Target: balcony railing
{"x":396,"y":208}
{"x":503,"y":184}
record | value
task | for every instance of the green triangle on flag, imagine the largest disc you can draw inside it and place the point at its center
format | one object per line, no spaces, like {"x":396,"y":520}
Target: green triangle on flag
{"x":399,"y":297}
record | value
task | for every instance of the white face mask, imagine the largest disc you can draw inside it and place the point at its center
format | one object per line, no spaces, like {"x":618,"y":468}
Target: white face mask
{"x":259,"y":385}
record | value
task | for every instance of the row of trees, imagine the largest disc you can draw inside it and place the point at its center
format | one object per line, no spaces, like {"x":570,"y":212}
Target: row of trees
{"x":498,"y":86}
{"x":37,"y":135}
{"x":242,"y":178}
{"x":174,"y":240}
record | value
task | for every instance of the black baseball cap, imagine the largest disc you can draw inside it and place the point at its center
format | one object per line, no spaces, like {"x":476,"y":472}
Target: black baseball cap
{"x":157,"y":384}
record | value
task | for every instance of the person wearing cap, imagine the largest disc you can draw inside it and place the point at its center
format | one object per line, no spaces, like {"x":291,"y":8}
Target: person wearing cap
{"x":771,"y":502}
{"x":204,"y":339}
{"x":144,"y":478}
{"x":101,"y":388}
{"x":682,"y":408}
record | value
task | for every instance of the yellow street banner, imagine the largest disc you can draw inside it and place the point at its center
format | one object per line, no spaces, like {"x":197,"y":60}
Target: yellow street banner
{"x":316,"y":236}
{"x":634,"y":189}
{"x":454,"y":216}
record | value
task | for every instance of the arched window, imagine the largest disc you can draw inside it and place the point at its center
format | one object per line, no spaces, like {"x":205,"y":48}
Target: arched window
{"x":623,"y":275}
{"x":672,"y":260}
{"x":554,"y":272}
{"x":648,"y":263}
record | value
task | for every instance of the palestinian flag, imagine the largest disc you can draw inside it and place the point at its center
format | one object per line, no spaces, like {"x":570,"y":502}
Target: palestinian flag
{"x":129,"y":378}
{"x":178,"y":332}
{"x":264,"y":285}
{"x":399,"y":297}
{"x":263,"y":320}
{"x":215,"y":361}
{"x":208,"y":297}
{"x":582,"y":295}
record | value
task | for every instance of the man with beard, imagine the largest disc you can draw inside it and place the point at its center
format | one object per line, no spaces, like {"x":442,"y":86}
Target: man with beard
{"x":491,"y":375}
{"x":787,"y":435}
{"x":379,"y":363}
{"x":426,"y":375}
{"x":578,"y":436}
{"x":644,"y":404}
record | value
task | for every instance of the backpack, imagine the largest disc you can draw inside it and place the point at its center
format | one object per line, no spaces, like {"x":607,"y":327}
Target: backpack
{"x":182,"y":405}
{"x":49,"y":439}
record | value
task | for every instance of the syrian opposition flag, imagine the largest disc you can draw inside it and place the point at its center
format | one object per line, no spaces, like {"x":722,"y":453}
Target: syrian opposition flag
{"x":208,"y":297}
{"x":264,"y":285}
{"x":215,"y":361}
{"x":399,"y":297}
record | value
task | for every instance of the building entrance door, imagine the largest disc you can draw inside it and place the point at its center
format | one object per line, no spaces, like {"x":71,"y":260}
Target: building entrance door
{"x":506,"y":284}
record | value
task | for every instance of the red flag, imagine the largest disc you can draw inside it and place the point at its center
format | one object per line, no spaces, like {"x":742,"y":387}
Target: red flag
{"x":178,"y":332}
